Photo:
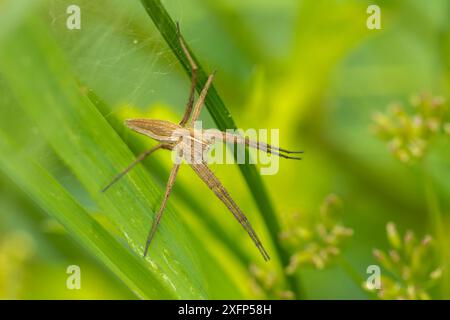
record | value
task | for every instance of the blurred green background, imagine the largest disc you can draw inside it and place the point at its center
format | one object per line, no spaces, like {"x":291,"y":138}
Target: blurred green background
{"x":311,"y":69}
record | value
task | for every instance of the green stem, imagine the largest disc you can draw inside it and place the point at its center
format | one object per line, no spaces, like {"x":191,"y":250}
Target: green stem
{"x":437,"y":226}
{"x":222,"y":118}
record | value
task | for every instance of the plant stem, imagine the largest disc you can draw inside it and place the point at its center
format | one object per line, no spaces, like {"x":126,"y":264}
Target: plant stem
{"x":437,"y":226}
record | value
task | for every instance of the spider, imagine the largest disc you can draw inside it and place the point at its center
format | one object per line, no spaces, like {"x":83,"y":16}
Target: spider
{"x":182,"y":138}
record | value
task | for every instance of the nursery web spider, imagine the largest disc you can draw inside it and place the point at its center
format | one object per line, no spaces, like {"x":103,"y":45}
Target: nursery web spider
{"x":165,"y":133}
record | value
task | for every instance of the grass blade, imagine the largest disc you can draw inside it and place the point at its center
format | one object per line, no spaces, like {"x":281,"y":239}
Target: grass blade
{"x":91,"y":149}
{"x":56,"y":201}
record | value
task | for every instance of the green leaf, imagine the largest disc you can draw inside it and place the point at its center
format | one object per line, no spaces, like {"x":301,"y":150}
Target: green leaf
{"x":37,"y":73}
{"x":55,"y":200}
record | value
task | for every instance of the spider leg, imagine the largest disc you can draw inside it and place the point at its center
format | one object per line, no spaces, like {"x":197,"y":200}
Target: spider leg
{"x":139,"y":158}
{"x":194,"y":70}
{"x":236,"y":138}
{"x":201,"y":99}
{"x":202,"y":170}
{"x":158,"y":216}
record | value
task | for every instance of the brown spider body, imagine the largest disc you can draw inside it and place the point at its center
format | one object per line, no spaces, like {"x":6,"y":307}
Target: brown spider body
{"x":190,"y":144}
